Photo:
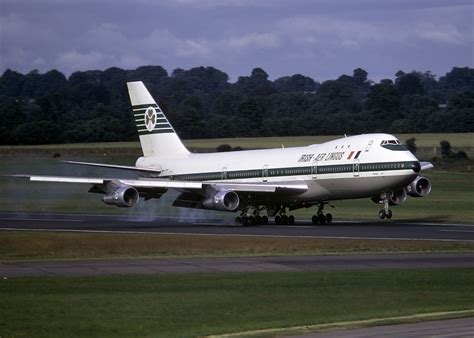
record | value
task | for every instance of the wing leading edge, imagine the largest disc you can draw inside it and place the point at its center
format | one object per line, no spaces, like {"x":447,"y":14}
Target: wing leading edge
{"x":283,"y":188}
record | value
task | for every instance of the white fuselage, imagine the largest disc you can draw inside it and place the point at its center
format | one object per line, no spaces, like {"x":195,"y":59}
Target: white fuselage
{"x":350,"y":167}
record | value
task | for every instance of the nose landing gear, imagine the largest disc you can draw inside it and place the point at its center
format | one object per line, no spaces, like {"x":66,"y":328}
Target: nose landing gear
{"x":385,"y":212}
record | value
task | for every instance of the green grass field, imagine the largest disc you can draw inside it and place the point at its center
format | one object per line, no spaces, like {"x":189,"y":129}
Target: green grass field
{"x":461,"y":140}
{"x":33,"y":246}
{"x":202,"y":304}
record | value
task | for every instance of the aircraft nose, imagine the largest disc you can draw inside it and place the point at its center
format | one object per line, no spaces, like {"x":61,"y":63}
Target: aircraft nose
{"x":416,"y":166}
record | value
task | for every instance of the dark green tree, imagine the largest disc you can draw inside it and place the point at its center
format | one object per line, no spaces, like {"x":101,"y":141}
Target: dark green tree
{"x":411,"y":144}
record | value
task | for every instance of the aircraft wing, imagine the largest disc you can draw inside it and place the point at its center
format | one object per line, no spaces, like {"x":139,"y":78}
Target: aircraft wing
{"x":283,"y":188}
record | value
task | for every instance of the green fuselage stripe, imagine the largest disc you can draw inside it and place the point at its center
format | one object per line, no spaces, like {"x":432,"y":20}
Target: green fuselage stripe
{"x":294,"y":171}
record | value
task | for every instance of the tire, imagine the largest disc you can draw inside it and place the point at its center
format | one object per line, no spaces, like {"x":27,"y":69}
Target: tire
{"x":321,"y":219}
{"x":382,"y":214}
{"x":389,"y":214}
{"x":277,"y":220}
{"x":264,"y":220}
{"x":284,"y":219}
{"x":291,"y":220}
{"x":315,"y":220}
{"x":328,"y":218}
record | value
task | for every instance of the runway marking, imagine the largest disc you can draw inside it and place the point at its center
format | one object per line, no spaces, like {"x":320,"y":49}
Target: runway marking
{"x":450,"y":230}
{"x":42,"y":219}
{"x":238,"y":235}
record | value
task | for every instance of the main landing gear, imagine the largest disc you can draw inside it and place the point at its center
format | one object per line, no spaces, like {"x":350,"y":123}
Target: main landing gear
{"x":284,"y":219}
{"x":320,"y":218}
{"x":385,"y":212}
{"x":251,"y":216}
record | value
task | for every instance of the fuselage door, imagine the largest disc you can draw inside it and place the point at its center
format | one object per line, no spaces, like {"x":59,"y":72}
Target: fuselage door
{"x":265,"y":173}
{"x":369,"y":145}
{"x":356,"y":167}
{"x":314,"y":169}
{"x":224,"y":173}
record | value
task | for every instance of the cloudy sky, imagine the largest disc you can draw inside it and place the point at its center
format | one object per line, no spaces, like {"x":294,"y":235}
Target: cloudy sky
{"x":318,"y":38}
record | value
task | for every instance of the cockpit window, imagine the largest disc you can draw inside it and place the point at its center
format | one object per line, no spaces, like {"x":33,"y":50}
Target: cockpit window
{"x":385,"y":142}
{"x":393,"y":145}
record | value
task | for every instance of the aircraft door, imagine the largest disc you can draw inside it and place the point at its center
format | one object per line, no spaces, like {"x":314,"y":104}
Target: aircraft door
{"x":314,"y":169}
{"x":356,"y":167}
{"x":265,"y":173}
{"x":369,"y":145}
{"x":224,"y":173}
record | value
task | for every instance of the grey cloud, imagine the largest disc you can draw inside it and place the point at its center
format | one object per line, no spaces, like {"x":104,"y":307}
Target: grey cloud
{"x":320,"y":38}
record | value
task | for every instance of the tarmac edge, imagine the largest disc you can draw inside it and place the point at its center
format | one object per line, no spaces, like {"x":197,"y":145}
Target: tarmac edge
{"x":350,"y":324}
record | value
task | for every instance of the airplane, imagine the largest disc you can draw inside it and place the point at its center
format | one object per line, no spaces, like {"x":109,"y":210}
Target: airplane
{"x":257,"y":184}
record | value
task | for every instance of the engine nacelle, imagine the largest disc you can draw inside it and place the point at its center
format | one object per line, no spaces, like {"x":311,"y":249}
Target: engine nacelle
{"x":397,"y":197}
{"x":420,"y":187}
{"x":224,"y":200}
{"x":123,"y":196}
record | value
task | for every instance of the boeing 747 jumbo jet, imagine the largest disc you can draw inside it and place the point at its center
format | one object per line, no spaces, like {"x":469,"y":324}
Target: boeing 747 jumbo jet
{"x":257,"y":184}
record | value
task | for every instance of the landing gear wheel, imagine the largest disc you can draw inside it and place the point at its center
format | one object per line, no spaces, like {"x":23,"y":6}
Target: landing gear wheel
{"x":257,"y":220}
{"x":321,"y":219}
{"x":328,"y":218}
{"x":264,"y":220}
{"x":385,"y":212}
{"x":291,"y":220}
{"x":277,"y":220}
{"x":315,"y":220}
{"x":284,"y":219}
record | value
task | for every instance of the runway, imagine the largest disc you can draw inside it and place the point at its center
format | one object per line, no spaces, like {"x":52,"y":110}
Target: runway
{"x":237,"y":264}
{"x":380,"y":230}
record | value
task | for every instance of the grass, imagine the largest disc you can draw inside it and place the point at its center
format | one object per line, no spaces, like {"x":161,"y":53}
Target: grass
{"x":458,"y":140}
{"x":201,"y":304}
{"x":18,"y":245}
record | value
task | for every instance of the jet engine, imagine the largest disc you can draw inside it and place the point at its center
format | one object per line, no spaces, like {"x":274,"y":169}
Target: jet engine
{"x":420,"y":187}
{"x":397,"y":197}
{"x":123,"y":196}
{"x":224,"y":200}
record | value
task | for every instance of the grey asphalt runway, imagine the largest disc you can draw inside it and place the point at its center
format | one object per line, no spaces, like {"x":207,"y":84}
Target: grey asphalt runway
{"x":453,"y":328}
{"x":240,"y":264}
{"x":403,"y":230}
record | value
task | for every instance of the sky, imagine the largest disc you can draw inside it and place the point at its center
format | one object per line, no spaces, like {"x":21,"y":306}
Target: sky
{"x":318,"y":38}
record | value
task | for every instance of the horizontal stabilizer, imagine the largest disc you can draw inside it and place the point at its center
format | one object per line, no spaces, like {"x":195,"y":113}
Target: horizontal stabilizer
{"x":113,"y":166}
{"x":426,"y":165}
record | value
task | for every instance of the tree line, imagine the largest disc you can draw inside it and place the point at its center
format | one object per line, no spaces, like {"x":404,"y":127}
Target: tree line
{"x":93,"y":106}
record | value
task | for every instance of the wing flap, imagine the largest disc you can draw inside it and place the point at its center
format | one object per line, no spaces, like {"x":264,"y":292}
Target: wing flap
{"x":290,"y":188}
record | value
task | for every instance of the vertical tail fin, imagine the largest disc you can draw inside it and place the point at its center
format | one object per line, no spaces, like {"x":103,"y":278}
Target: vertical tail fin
{"x":157,"y":136}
